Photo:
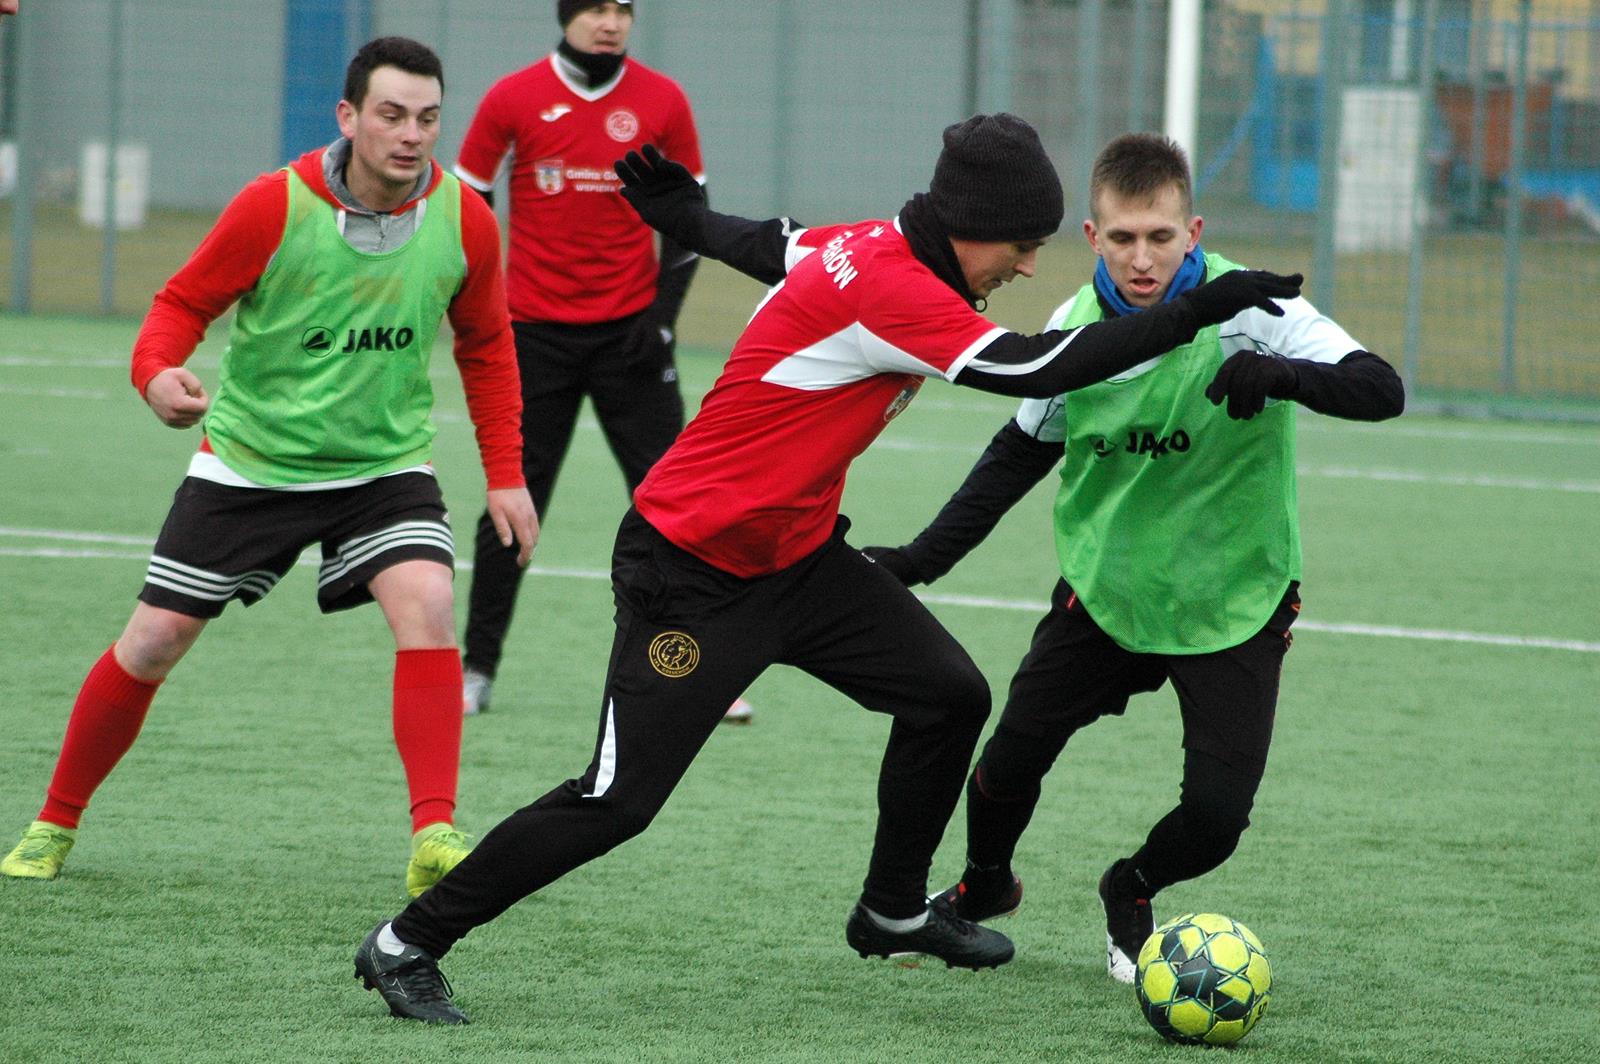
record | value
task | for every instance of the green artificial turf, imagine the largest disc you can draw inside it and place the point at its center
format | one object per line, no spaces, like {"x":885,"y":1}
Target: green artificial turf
{"x":1422,"y":866}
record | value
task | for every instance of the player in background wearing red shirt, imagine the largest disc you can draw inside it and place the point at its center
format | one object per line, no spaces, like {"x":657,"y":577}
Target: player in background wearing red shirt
{"x":734,"y":558}
{"x":342,"y":265}
{"x":593,"y":309}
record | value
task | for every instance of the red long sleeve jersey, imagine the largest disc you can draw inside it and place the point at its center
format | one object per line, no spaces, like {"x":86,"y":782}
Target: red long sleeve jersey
{"x":579,"y":253}
{"x":832,"y":355}
{"x":233,"y":256}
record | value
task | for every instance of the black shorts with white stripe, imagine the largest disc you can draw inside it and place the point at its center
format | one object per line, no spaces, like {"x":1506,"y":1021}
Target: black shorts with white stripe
{"x":221,"y":543}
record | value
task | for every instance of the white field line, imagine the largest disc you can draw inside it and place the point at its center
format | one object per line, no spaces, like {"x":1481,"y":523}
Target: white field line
{"x":589,"y":424}
{"x":44,"y":361}
{"x":973,"y":403}
{"x":1377,"y":631}
{"x":1382,"y":631}
{"x":1591,"y":487}
{"x":1481,"y":480}
{"x":1579,"y":438}
{"x":55,"y":393}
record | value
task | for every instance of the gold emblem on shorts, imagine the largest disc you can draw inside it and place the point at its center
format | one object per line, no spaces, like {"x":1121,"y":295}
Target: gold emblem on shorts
{"x":674,"y":654}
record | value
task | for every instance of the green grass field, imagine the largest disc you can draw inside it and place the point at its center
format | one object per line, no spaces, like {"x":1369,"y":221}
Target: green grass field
{"x":1422,"y":867}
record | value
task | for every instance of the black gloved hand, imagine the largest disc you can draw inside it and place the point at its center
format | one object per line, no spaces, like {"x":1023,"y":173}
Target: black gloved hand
{"x":1221,"y":298}
{"x":1248,"y":379}
{"x":652,"y":344}
{"x":665,"y":193}
{"x":894,"y":559}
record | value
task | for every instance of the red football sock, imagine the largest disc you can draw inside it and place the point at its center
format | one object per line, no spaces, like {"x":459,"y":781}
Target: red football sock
{"x":105,"y":721}
{"x":427,"y":730}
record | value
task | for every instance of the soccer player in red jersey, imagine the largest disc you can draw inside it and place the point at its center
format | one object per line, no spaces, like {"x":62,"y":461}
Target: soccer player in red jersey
{"x":734,"y":557}
{"x":593,"y":307}
{"x":343,"y":265}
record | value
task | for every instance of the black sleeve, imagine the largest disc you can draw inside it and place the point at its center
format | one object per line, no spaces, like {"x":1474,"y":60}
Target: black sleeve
{"x":1361,"y":386}
{"x":672,"y":282}
{"x":1006,"y":471}
{"x":1050,"y":363}
{"x":756,"y":249}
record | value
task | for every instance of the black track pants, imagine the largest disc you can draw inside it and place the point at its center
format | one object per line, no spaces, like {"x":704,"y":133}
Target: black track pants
{"x":690,"y":638}
{"x":1074,"y":674}
{"x":640,"y":410}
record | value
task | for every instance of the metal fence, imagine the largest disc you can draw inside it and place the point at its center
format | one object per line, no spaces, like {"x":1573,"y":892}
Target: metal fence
{"x":1435,"y":164}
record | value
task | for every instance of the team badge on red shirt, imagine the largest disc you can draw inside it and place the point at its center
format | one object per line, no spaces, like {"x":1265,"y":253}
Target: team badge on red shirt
{"x":622,"y":125}
{"x":548,"y":173}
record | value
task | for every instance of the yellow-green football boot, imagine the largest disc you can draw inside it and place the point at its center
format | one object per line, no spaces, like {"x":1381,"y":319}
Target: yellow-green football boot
{"x":435,"y":850}
{"x":41,"y":853}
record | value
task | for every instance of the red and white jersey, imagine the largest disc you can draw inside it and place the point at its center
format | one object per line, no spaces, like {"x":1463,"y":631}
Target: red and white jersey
{"x":579,"y":253}
{"x":833,"y":353}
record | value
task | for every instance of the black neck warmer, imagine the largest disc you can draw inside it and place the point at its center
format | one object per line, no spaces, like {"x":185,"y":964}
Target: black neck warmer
{"x":598,"y":67}
{"x":930,"y":243}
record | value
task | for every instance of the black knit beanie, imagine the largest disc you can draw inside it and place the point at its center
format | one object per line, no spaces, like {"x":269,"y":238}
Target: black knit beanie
{"x":994,"y":181}
{"x":567,"y":10}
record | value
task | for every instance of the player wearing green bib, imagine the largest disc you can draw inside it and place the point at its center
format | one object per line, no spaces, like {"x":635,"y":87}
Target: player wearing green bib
{"x":1176,"y":535}
{"x":342,"y":265}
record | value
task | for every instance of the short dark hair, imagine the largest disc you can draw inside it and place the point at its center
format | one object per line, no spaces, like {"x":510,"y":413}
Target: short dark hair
{"x":1141,"y":165}
{"x":413,"y":57}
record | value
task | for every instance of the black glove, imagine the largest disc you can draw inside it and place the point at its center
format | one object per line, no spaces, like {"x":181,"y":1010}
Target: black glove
{"x":1248,"y":379}
{"x":653,"y":344}
{"x":899,"y":566}
{"x":1220,"y":299}
{"x":665,"y":193}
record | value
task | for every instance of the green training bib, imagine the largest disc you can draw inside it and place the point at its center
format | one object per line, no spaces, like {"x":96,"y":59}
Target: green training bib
{"x":1175,"y":524}
{"x":325,"y":376}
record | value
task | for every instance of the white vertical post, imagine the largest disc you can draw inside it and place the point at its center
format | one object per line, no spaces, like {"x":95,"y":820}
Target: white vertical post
{"x":1183,"y":75}
{"x":1400,"y":42}
{"x":998,"y":33}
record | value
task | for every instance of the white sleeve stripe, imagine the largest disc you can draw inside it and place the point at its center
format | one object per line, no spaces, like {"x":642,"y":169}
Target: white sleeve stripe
{"x":972,"y":350}
{"x":473,"y":179}
{"x":1004,"y":369}
{"x":793,"y":252}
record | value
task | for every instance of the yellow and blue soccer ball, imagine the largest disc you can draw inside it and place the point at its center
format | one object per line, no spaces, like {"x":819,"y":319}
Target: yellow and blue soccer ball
{"x":1203,"y":978}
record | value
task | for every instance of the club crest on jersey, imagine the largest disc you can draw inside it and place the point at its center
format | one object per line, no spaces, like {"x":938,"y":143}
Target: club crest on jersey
{"x":548,"y":172}
{"x":901,"y":401}
{"x":622,"y":125}
{"x":674,"y":654}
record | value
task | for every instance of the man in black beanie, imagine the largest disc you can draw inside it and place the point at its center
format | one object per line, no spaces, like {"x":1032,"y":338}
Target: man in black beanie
{"x":593,"y":306}
{"x":733,"y":557}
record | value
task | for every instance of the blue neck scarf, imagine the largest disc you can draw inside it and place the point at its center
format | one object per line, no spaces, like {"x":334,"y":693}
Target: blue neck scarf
{"x":1189,"y":275}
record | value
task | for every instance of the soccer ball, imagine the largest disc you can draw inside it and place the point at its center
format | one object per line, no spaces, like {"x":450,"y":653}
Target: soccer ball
{"x":1203,"y":978}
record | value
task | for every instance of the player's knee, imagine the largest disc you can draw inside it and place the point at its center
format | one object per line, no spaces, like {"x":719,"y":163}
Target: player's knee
{"x":630,"y":819}
{"x":962,"y":694}
{"x":1217,"y":798}
{"x":1220,"y":827}
{"x":1012,"y":765}
{"x":155,"y":640}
